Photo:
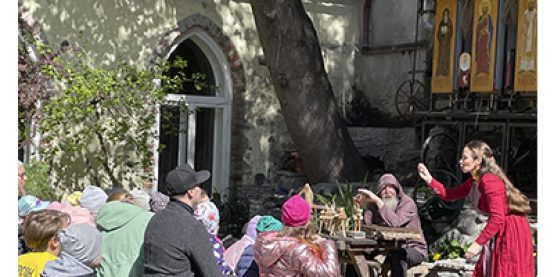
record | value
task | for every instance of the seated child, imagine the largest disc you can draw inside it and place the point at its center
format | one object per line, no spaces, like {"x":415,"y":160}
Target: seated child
{"x":234,"y":252}
{"x":208,"y":214}
{"x":80,"y":252}
{"x":39,"y":230}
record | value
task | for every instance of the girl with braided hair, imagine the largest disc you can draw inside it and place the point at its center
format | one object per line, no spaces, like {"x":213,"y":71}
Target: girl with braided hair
{"x":505,"y":244}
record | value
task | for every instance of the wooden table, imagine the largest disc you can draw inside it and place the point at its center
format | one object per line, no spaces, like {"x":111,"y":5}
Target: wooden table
{"x":379,"y":240}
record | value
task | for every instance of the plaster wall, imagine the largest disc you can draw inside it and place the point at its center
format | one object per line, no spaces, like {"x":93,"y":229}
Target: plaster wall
{"x":378,"y":75}
{"x":108,"y":29}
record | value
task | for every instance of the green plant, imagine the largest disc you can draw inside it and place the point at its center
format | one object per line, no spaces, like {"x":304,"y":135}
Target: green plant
{"x":343,"y":198}
{"x":37,"y":181}
{"x":424,"y":192}
{"x":325,"y":199}
{"x":451,"y":249}
{"x":346,"y":199}
{"x":99,"y":117}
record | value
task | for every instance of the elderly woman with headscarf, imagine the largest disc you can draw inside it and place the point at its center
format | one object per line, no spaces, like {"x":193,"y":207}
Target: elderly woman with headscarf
{"x":296,"y":250}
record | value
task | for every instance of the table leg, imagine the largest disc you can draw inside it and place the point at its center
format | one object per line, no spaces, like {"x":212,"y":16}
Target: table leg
{"x":360,"y":263}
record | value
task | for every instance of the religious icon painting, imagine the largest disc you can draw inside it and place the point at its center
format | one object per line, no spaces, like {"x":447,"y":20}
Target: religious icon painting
{"x":526,"y":49}
{"x":484,"y":45}
{"x":444,"y":45}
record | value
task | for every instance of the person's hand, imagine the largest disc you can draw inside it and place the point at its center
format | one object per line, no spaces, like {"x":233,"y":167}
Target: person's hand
{"x":359,"y":199}
{"x":424,"y":173}
{"x":473,"y":250}
{"x":371,"y":197}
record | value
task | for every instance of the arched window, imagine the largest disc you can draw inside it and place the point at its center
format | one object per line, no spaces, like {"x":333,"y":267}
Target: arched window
{"x":200,"y":137}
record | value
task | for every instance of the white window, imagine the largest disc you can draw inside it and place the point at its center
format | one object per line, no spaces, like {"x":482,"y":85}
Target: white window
{"x":201,"y":137}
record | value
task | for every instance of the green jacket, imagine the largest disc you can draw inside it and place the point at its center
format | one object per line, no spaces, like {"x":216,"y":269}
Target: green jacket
{"x":122,"y":226}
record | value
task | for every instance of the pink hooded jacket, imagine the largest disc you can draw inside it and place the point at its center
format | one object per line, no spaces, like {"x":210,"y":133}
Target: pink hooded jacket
{"x":405,"y":214}
{"x":279,"y":256}
{"x":234,"y":252}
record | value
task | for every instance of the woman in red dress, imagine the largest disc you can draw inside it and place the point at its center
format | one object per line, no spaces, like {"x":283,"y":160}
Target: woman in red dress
{"x":506,"y":243}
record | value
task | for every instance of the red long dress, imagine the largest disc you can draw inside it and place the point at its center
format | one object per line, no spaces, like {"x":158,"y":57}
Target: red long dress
{"x":513,"y":251}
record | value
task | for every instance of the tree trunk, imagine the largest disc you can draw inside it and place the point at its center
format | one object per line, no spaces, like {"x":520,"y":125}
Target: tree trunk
{"x":294,"y":60}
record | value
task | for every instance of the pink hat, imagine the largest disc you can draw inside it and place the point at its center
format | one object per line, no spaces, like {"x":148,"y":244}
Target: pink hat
{"x":296,"y":212}
{"x":78,"y":215}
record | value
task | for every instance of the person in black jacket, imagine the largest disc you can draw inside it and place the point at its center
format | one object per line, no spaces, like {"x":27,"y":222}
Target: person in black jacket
{"x":175,"y":243}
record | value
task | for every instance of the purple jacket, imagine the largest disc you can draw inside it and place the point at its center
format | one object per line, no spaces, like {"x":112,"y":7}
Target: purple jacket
{"x":279,"y":256}
{"x":405,"y":215}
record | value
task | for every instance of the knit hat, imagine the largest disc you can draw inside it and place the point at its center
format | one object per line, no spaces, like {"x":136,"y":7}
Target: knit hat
{"x":141,"y":198}
{"x":81,"y":241}
{"x":93,"y":198}
{"x":78,"y":215}
{"x":29,"y":203}
{"x":182,"y":178}
{"x":75,"y":198}
{"x":296,"y":211}
{"x":268,"y":223}
{"x":208,"y":213}
{"x":251,"y":227}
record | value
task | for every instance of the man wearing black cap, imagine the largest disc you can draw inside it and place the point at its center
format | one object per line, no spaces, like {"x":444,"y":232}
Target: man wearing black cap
{"x":175,"y":243}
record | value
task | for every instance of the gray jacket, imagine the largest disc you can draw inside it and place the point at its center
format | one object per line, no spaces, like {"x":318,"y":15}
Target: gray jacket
{"x":67,"y":266}
{"x":176,"y":244}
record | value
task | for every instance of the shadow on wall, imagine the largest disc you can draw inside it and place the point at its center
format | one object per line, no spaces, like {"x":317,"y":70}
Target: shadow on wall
{"x":111,"y":28}
{"x":74,"y":170}
{"x":360,"y":113}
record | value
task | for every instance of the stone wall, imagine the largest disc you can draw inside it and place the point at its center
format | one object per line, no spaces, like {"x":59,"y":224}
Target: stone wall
{"x":392,"y":150}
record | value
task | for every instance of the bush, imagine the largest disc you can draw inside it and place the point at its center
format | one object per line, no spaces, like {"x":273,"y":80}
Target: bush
{"x":37,"y":181}
{"x":451,"y":249}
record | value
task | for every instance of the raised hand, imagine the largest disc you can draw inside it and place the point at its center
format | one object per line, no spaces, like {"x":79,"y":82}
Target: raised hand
{"x":424,"y":173}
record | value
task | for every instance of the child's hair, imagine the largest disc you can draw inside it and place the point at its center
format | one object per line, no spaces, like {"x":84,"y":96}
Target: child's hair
{"x":304,"y":232}
{"x":121,"y":195}
{"x":40,"y":227}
